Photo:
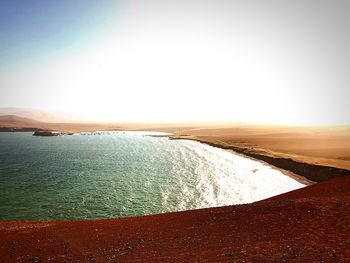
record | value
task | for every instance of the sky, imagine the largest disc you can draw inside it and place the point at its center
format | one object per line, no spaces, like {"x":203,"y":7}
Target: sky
{"x":262,"y":61}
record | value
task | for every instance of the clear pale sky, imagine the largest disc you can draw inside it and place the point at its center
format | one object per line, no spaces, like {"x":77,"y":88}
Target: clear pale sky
{"x":255,"y":61}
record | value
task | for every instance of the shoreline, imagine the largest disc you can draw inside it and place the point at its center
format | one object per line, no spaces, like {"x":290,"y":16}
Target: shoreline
{"x":301,"y":171}
{"x":288,"y":166}
{"x":300,"y":179}
{"x":296,"y":177}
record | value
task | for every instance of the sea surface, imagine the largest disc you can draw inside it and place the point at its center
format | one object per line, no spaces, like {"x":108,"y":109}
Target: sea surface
{"x":118,"y":174}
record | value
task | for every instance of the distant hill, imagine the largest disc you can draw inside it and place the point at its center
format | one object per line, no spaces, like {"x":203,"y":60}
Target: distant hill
{"x":10,"y":123}
{"x":42,"y":116}
{"x":16,"y":121}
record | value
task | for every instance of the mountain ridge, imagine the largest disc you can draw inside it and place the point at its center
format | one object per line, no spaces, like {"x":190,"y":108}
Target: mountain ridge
{"x":42,"y":116}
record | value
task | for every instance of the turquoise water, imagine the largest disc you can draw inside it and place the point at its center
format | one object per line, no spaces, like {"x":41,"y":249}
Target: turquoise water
{"x":115,"y":174}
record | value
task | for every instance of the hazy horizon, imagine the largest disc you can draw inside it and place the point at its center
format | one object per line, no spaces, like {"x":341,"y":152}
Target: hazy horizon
{"x":276,"y":62}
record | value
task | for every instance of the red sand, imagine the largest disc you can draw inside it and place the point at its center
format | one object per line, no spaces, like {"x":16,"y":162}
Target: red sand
{"x":307,"y":225}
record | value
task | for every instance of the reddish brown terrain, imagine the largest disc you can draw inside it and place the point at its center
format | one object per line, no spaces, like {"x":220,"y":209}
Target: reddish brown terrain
{"x":306,"y":225}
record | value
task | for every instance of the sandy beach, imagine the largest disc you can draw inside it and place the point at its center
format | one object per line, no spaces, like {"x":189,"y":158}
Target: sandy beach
{"x":316,"y":153}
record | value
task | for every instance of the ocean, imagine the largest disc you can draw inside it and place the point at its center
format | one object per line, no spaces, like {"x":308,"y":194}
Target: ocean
{"x":118,"y":174}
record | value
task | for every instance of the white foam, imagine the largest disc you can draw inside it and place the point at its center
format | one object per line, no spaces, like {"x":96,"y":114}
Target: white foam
{"x":233,"y":179}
